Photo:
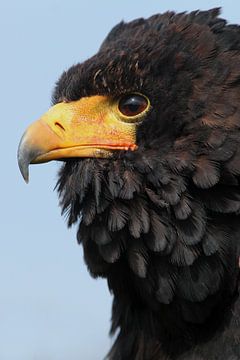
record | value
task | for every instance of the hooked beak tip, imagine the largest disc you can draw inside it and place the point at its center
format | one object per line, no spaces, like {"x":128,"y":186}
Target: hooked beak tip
{"x":25,"y":155}
{"x":23,"y":165}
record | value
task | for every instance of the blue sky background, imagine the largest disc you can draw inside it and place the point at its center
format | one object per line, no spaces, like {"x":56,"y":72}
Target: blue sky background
{"x":50,"y":308}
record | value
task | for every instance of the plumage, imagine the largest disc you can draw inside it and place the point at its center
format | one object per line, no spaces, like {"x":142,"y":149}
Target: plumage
{"x":159,"y":218}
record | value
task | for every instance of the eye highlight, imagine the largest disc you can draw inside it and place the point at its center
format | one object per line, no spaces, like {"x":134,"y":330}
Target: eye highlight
{"x":133,"y":104}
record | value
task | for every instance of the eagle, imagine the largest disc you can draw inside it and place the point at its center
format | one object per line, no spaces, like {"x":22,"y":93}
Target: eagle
{"x":148,"y":132}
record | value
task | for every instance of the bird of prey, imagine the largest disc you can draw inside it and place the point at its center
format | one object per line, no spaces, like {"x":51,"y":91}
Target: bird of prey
{"x":148,"y":130}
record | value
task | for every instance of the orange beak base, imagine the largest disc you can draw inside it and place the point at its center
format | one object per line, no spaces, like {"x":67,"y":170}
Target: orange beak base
{"x":89,"y":127}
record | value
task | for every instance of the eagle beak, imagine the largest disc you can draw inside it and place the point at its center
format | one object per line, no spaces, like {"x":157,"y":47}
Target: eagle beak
{"x":89,"y":127}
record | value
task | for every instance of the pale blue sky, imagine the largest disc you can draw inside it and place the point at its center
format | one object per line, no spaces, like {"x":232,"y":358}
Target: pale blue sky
{"x":50,"y":308}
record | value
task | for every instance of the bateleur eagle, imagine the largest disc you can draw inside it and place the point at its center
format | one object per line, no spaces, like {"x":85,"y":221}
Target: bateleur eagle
{"x":148,"y":132}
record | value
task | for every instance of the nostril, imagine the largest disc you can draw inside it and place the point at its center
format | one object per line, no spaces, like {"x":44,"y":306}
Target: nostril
{"x":59,"y":125}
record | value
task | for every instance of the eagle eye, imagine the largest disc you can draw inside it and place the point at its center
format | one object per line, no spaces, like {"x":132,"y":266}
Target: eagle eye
{"x":133,"y":104}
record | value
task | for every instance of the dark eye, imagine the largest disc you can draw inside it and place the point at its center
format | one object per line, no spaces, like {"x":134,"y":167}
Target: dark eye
{"x":132,"y":105}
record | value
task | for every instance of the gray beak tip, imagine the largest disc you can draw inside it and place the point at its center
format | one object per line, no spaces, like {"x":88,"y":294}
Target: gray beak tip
{"x":23,"y":157}
{"x":23,"y":167}
{"x":26,"y":178}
